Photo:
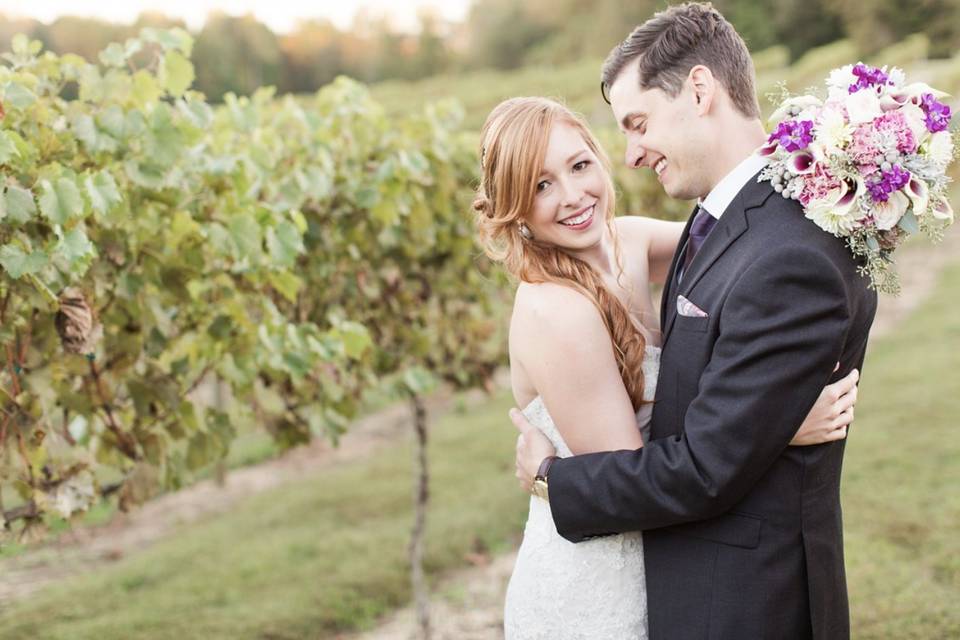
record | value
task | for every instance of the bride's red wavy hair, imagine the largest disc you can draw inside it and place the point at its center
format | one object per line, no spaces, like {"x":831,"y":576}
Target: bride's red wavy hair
{"x":513,"y":145}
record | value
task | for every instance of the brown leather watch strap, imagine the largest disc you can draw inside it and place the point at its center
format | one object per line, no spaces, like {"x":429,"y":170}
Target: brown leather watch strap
{"x":545,"y":467}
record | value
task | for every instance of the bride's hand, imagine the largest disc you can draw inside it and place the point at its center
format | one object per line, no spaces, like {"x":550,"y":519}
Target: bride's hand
{"x":832,"y":413}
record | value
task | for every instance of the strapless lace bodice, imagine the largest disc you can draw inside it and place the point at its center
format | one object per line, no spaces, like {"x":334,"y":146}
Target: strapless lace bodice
{"x":593,"y":589}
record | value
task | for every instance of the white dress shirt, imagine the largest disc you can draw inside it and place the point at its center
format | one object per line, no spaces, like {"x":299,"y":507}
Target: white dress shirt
{"x":726,"y":190}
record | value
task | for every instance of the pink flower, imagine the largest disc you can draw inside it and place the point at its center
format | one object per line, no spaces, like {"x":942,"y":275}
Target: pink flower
{"x":818,"y":185}
{"x":865,"y":146}
{"x":895,"y":123}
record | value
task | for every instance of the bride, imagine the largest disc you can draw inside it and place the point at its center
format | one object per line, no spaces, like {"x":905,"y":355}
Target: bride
{"x":583,"y":351}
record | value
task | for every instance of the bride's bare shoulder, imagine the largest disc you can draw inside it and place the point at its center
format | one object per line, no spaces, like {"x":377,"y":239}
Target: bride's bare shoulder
{"x":547,"y":311}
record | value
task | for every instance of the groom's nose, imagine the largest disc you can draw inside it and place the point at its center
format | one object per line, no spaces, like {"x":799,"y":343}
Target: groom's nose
{"x":634,"y":156}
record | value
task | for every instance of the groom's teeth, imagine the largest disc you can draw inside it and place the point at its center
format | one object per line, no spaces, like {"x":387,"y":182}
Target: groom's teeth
{"x":583,"y":217}
{"x":660,"y":166}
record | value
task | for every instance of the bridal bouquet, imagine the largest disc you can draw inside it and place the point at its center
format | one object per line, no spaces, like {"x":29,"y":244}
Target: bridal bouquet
{"x":868,"y":163}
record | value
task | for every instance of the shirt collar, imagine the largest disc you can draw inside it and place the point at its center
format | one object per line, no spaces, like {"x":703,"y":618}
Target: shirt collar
{"x":726,"y":190}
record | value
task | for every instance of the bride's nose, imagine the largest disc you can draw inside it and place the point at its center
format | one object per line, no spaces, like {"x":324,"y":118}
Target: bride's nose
{"x":571,"y":194}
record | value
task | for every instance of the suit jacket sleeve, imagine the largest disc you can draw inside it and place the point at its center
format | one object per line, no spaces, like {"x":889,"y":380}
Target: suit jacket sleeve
{"x":782,"y":329}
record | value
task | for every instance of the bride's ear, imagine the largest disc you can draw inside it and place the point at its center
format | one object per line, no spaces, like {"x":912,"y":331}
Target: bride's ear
{"x":704,"y":88}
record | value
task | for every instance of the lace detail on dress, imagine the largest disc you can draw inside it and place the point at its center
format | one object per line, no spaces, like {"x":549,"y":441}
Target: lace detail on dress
{"x":592,"y":589}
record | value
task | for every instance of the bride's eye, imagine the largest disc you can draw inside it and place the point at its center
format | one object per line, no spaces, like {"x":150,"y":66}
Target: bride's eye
{"x":580,"y":166}
{"x":543,"y":184}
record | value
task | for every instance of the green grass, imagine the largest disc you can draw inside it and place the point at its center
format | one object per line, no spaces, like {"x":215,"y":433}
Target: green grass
{"x":328,"y":554}
{"x":901,"y":504}
{"x":325,"y":554}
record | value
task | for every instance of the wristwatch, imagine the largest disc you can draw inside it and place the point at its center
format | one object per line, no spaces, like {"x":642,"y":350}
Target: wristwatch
{"x":539,"y":488}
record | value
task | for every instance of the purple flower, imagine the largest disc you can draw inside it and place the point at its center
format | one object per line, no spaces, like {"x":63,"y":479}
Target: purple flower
{"x":888,"y":182}
{"x":793,"y":135}
{"x":938,"y":114}
{"x":867,"y":77}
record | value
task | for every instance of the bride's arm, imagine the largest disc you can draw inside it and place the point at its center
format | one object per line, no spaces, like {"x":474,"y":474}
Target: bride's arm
{"x":565,"y":349}
{"x":661,"y":238}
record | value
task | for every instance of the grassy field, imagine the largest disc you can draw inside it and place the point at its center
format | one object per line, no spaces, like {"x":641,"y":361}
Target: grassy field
{"x":318,"y":556}
{"x":327,"y":554}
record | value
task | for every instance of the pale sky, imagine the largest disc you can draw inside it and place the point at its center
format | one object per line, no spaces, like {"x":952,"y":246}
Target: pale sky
{"x":279,"y":15}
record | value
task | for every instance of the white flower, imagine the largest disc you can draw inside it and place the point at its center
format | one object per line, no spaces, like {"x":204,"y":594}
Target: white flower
{"x":836,"y":212}
{"x":832,"y":131}
{"x":839,"y":81}
{"x":942,"y":210}
{"x":940,"y":148}
{"x":919,"y":195}
{"x":863,"y":106}
{"x":887,"y":214}
{"x":897,"y":77}
{"x":917,"y":121}
{"x":917,"y":89}
{"x":802,"y":105}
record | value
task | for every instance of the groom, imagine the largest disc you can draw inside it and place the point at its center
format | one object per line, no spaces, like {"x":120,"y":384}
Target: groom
{"x":742,"y":534}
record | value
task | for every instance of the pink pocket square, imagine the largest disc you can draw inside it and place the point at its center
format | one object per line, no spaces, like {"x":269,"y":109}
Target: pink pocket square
{"x":688,"y":309}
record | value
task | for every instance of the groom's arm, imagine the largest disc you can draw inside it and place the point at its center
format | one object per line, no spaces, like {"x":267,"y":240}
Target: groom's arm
{"x":782,"y":329}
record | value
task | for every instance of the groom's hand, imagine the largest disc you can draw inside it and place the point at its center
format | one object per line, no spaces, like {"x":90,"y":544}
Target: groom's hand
{"x":532,"y":448}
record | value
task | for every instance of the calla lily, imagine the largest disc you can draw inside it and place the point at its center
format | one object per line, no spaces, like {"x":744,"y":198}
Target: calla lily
{"x":849,"y":194}
{"x":942,"y":210}
{"x":887,"y":214}
{"x":889,"y":102}
{"x":767,"y":149}
{"x":919,"y":195}
{"x":801,"y":162}
{"x":917,"y":89}
{"x":833,"y":213}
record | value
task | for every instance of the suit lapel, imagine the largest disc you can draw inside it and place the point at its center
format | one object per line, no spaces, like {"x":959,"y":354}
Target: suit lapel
{"x":732,"y":224}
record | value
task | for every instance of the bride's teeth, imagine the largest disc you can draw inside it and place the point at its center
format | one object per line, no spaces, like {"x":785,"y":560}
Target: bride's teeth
{"x":583,"y":217}
{"x":659,"y":167}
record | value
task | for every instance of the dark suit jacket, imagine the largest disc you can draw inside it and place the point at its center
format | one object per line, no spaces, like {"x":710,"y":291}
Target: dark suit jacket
{"x":743,"y":534}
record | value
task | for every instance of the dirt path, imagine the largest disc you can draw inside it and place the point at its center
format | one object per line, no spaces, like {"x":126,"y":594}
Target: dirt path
{"x":467,"y":605}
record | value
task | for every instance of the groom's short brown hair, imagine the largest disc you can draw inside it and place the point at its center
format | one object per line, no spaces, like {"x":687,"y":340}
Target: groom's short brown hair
{"x":675,"y":40}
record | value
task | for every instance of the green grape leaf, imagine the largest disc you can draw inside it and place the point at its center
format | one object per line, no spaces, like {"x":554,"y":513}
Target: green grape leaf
{"x":175,"y":38}
{"x":8,"y":148}
{"x":114,"y":55}
{"x":17,"y":263}
{"x":19,"y":204}
{"x":74,"y":252}
{"x":246,"y":235}
{"x":176,"y":73}
{"x":102,"y":191}
{"x":113,"y":121}
{"x":286,"y":283}
{"x":17,"y":96}
{"x":356,"y":339}
{"x":61,"y":200}
{"x":285,"y":244}
{"x":91,"y":84}
{"x":146,"y":90}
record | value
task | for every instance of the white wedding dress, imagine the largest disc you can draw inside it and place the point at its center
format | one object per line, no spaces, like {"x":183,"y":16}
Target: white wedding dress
{"x":593,"y":589}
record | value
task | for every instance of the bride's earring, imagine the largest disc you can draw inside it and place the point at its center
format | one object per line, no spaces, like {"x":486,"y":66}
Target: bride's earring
{"x":525,"y":231}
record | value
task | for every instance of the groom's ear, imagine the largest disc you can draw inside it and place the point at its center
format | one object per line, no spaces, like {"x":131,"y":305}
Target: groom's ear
{"x":704,"y":87}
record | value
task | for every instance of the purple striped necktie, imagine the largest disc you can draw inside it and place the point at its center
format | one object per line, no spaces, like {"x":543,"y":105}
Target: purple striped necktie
{"x":703,"y":223}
